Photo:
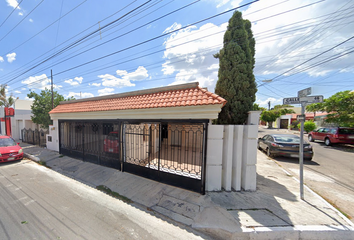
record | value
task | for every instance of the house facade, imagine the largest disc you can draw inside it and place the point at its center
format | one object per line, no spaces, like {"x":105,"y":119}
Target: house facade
{"x":160,"y":133}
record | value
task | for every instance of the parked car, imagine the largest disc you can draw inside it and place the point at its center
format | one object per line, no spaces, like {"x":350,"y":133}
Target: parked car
{"x":9,"y":149}
{"x":331,"y":135}
{"x":111,"y":143}
{"x":286,"y":145}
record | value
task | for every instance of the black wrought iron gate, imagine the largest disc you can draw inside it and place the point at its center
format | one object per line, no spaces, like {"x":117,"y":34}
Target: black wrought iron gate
{"x":172,"y":152}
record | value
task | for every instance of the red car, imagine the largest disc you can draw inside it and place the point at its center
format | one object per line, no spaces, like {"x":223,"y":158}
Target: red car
{"x":333,"y":135}
{"x":111,"y":143}
{"x":9,"y":149}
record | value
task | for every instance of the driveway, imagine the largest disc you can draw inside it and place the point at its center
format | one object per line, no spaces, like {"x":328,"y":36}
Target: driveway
{"x":330,"y":173}
{"x":38,"y":203}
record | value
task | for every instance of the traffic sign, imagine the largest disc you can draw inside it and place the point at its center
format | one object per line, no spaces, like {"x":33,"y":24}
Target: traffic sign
{"x":301,"y":118}
{"x":291,"y":100}
{"x":312,"y":99}
{"x":305,"y":92}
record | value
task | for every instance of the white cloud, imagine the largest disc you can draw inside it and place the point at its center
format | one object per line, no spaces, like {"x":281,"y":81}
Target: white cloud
{"x":1,"y":59}
{"x":78,"y":95}
{"x":172,"y":27}
{"x":109,"y":80}
{"x":273,"y":102}
{"x":12,"y":3}
{"x":222,"y":3}
{"x":124,"y":78}
{"x":17,"y":92}
{"x":11,"y":57}
{"x":287,"y":40}
{"x":74,"y":82}
{"x":39,"y":82}
{"x":105,"y":91}
{"x":194,"y":61}
{"x":20,"y":13}
{"x":31,"y":20}
{"x":95,"y":84}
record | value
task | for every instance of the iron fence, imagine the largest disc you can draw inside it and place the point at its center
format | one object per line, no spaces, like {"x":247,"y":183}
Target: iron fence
{"x":172,"y":152}
{"x":37,"y":137}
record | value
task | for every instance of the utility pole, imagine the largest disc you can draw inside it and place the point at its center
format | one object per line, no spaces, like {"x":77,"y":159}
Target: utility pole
{"x":51,"y":77}
{"x":268,"y":105}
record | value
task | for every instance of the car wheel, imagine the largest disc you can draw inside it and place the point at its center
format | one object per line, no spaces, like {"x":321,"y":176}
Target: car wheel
{"x":269,"y":153}
{"x":311,"y":138}
{"x":327,"y":142}
{"x":258,"y":146}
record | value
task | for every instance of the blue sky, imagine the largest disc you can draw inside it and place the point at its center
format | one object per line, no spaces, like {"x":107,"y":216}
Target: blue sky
{"x":104,"y":47}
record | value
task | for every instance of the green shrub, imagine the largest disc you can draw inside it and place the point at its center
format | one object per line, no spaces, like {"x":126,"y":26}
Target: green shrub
{"x":308,"y":126}
{"x":295,"y":125}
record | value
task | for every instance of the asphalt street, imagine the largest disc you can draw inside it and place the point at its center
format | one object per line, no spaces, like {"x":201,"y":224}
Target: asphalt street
{"x":330,"y":173}
{"x":38,"y":203}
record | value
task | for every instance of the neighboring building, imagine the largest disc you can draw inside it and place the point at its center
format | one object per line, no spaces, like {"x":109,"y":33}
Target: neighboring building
{"x":20,"y":120}
{"x":286,"y":121}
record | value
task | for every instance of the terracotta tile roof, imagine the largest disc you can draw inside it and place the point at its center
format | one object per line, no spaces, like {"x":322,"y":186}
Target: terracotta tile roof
{"x":172,"y":96}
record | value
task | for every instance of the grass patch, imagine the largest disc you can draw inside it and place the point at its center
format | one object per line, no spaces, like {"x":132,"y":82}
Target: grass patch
{"x":61,"y":156}
{"x":113,"y":194}
{"x":43,"y":163}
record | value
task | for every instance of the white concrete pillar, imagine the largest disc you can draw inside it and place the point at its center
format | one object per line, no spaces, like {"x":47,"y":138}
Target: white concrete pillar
{"x":253,"y":117}
{"x":227,"y":157}
{"x":237,"y":157}
{"x":213,"y":181}
{"x":249,"y":158}
{"x":54,"y":134}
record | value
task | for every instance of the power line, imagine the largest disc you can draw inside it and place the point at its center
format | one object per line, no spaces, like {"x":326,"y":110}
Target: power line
{"x":16,"y":70}
{"x":13,"y":49}
{"x":21,"y":21}
{"x":138,"y":44}
{"x":11,"y":13}
{"x":76,"y":42}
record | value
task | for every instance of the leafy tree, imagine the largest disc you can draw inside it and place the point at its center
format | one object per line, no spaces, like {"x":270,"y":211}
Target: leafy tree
{"x":270,"y":117}
{"x":236,"y":82}
{"x":5,"y":101}
{"x":341,"y":108}
{"x":42,"y":105}
{"x":308,"y":126}
{"x":314,"y":107}
{"x":256,"y":107}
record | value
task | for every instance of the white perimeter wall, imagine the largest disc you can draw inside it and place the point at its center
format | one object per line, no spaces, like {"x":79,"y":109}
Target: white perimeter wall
{"x":232,"y":156}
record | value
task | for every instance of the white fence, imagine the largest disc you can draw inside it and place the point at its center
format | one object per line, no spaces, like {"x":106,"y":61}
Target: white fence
{"x":232,"y":156}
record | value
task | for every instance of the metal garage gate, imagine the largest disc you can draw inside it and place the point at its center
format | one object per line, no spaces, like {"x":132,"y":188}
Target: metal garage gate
{"x":92,"y":141}
{"x":172,"y":152}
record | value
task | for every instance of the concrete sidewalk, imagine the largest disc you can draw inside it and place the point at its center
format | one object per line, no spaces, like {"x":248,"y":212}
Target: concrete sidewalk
{"x":274,"y":211}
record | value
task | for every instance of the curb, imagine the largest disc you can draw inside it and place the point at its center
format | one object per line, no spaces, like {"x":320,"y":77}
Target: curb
{"x":31,"y":157}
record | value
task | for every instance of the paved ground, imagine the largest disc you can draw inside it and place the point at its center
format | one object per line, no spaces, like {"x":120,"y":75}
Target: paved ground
{"x":274,"y":211}
{"x":330,"y":174}
{"x":38,"y":203}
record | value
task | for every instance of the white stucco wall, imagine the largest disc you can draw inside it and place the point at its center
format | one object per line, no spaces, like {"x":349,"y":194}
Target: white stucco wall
{"x":232,"y":156}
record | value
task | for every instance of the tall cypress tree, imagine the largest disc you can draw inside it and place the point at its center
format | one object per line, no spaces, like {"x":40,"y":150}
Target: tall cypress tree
{"x":236,"y":81}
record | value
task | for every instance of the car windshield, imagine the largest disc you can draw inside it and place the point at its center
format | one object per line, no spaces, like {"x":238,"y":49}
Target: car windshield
{"x":7,"y":142}
{"x":346,"y":131}
{"x":287,"y":139}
